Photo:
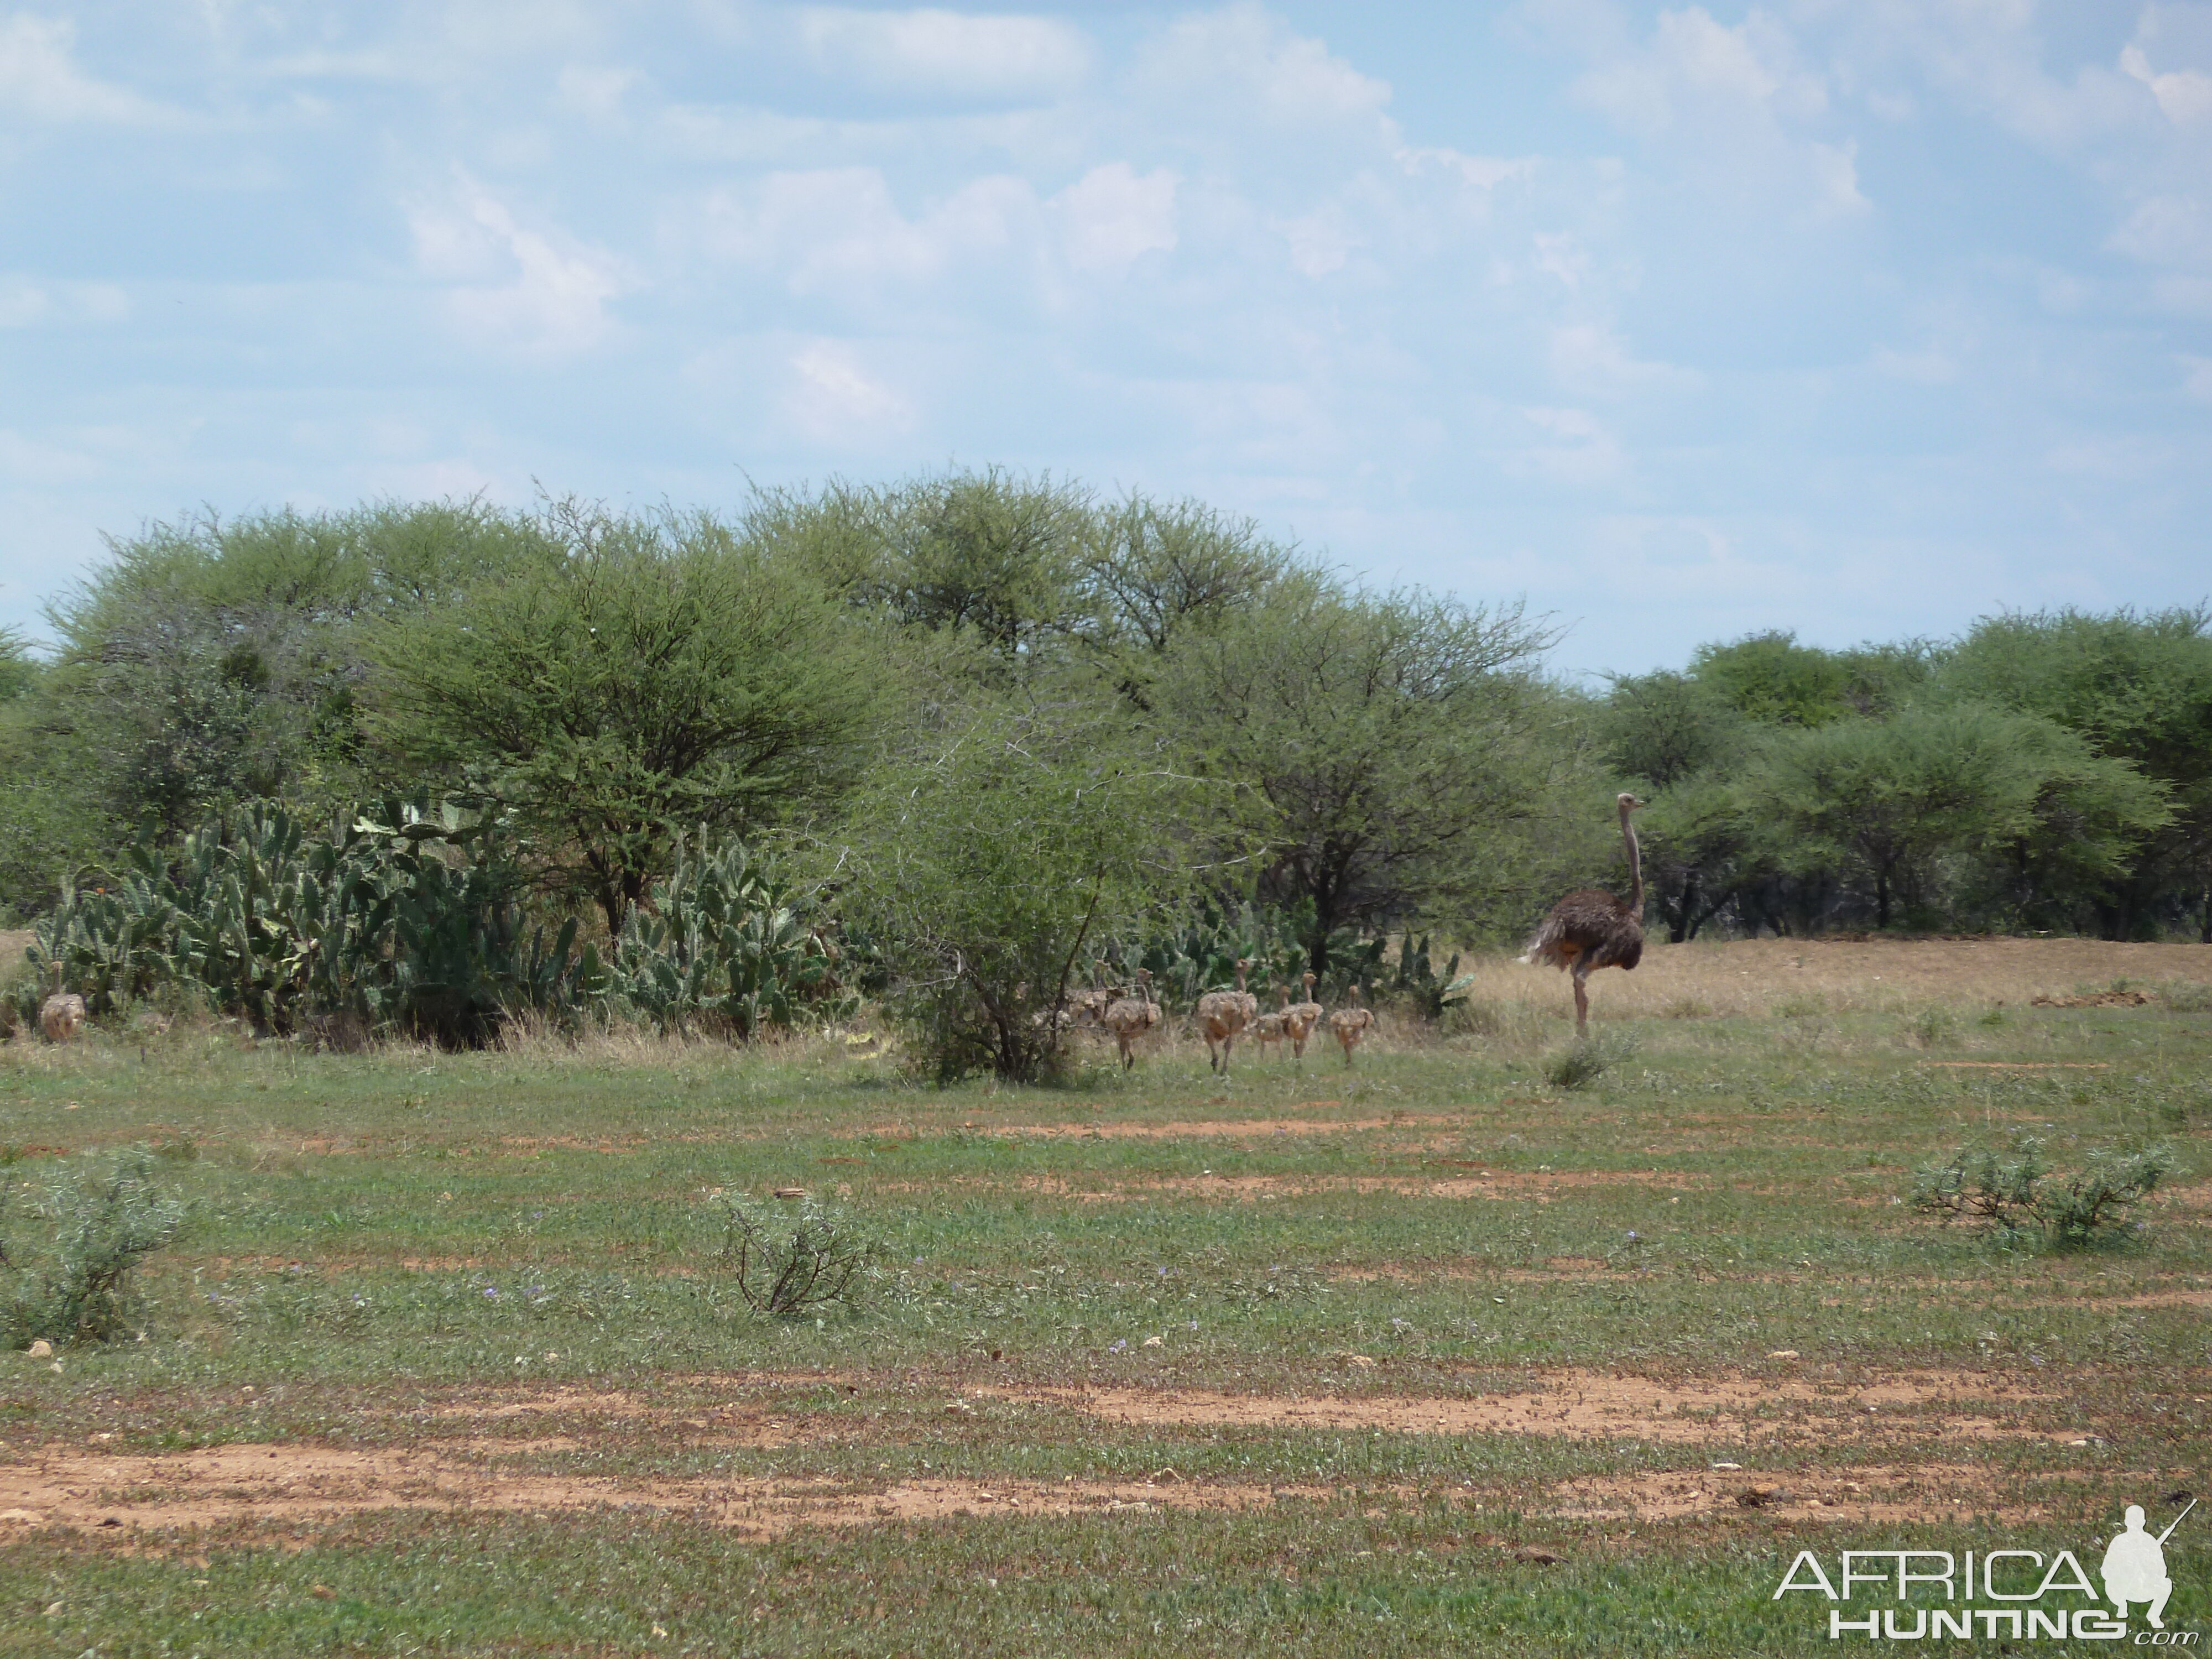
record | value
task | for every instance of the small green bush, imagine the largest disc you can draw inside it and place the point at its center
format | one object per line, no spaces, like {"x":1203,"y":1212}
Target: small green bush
{"x":785,"y":1265}
{"x":2185,"y":997}
{"x":1585,"y":1061}
{"x":104,"y":1216}
{"x":1931,"y":1028}
{"x":2020,"y":1198}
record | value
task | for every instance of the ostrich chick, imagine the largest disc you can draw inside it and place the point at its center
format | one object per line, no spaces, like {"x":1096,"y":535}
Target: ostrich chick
{"x":1299,"y":1020}
{"x":1591,"y":928}
{"x":1350,"y":1025}
{"x":1269,"y":1030}
{"x":1223,"y":1014}
{"x":1130,"y":1017}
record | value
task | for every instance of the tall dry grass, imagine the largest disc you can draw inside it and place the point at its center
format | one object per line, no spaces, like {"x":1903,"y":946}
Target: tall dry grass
{"x":1761,"y":978}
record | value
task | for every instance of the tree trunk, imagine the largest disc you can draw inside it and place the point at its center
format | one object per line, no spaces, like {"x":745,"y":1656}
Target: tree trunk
{"x":1881,"y":900}
{"x":1685,"y":918}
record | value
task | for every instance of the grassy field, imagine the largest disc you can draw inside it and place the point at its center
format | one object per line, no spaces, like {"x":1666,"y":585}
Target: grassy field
{"x":1426,"y":1355}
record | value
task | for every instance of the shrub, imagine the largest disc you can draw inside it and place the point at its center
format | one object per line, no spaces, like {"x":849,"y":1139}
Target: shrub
{"x":1931,"y":1028}
{"x":2021,"y":1198}
{"x":784,"y":1265}
{"x":1585,"y":1061}
{"x":105,"y":1218}
{"x":727,"y":945}
{"x":992,"y":859}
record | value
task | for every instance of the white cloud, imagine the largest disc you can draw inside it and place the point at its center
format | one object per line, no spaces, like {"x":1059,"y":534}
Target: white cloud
{"x":1320,"y":242}
{"x":2185,"y":96}
{"x":1112,"y":216}
{"x":835,"y":400}
{"x":555,"y":295}
{"x":1583,"y":452}
{"x":1694,"y":67}
{"x":1930,"y":367}
{"x":1835,"y":172}
{"x":2168,"y":230}
{"x":1293,"y":79}
{"x":946,"y":51}
{"x":1587,"y":357}
{"x":1480,"y":173}
{"x":39,"y":79}
{"x":596,"y":94}
{"x":42,"y":463}
{"x":23,"y":302}
{"x":835,"y":227}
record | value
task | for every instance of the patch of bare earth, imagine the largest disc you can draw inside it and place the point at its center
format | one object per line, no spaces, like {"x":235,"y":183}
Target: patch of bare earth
{"x":1595,"y":1406}
{"x":230,"y":1485}
{"x":1230,"y":1128}
{"x":1540,"y":1186}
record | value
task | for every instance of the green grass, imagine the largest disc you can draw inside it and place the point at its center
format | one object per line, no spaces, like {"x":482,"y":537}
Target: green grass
{"x":1724,"y":1191}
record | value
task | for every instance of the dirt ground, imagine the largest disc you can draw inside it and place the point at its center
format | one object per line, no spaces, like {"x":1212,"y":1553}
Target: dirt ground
{"x":463,"y":1466}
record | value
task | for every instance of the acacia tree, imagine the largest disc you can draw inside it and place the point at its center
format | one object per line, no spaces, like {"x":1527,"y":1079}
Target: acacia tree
{"x":1885,"y":798}
{"x":2136,"y":688}
{"x":1385,"y":750}
{"x":648,"y":677}
{"x":991,"y":854}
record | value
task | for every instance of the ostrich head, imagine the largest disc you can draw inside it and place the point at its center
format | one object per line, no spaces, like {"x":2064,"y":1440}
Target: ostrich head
{"x":1630,"y":803}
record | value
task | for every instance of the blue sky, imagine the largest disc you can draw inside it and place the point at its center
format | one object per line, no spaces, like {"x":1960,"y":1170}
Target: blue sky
{"x":1855,"y":317}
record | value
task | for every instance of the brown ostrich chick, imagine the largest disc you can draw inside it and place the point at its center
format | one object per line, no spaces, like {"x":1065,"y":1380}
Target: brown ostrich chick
{"x":1130,"y":1017}
{"x":1349,"y":1025}
{"x":1223,"y":1015}
{"x":1299,"y":1020}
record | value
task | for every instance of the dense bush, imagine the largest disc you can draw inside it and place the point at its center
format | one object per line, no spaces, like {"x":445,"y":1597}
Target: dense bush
{"x":415,"y":918}
{"x":100,"y":1216}
{"x":1010,"y":737}
{"x":725,"y":945}
{"x":2020,"y":1199}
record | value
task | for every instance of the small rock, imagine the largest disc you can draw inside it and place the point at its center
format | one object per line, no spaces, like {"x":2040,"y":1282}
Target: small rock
{"x":53,"y":1610}
{"x":1728,"y":1466}
{"x":40,"y":1349}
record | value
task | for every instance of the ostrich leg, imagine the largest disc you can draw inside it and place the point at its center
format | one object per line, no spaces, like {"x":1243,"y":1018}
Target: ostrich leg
{"x":1582,"y":1003}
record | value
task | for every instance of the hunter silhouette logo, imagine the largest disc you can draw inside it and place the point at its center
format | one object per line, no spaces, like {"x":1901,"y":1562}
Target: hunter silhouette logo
{"x":2135,"y":1566}
{"x":2013,"y":1595}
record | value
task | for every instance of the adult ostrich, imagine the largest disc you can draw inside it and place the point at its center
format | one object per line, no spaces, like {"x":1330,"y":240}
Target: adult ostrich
{"x":1591,"y":928}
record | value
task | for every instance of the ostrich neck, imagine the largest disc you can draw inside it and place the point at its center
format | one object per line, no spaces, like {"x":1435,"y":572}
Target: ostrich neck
{"x":1635,"y":866}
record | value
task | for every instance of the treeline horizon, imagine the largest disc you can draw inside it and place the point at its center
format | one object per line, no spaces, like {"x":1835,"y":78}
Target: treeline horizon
{"x":1232,"y":724}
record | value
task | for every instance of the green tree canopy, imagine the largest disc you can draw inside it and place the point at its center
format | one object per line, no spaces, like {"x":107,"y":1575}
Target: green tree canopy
{"x":212,"y":661}
{"x":992,"y":852}
{"x":1885,"y":798}
{"x":2136,"y":686}
{"x":646,"y":676}
{"x":1387,"y":751}
{"x":1770,"y":678}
